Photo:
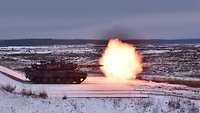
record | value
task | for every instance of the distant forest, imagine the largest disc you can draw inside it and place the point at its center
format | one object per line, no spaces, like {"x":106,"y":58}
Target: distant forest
{"x":46,"y":42}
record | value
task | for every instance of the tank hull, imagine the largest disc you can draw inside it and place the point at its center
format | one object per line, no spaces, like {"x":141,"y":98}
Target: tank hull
{"x":55,"y":76}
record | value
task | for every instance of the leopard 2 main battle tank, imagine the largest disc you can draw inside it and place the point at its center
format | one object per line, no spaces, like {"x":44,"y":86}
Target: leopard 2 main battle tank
{"x":57,"y":72}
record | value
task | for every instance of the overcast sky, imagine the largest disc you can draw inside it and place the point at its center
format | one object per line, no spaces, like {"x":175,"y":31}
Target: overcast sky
{"x":163,"y":19}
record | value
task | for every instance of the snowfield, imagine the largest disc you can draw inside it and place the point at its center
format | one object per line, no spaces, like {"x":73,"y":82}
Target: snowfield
{"x":97,"y":95}
{"x":11,"y":103}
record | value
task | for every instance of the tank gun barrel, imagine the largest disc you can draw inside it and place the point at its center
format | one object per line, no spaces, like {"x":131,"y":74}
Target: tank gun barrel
{"x":90,"y":66}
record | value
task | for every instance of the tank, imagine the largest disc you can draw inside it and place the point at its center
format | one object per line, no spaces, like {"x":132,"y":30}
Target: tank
{"x":57,"y":72}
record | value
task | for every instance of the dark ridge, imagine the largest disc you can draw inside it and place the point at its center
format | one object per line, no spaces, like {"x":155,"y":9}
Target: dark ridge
{"x":46,"y":42}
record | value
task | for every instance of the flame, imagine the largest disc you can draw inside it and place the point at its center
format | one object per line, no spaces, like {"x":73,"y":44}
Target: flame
{"x":120,"y":61}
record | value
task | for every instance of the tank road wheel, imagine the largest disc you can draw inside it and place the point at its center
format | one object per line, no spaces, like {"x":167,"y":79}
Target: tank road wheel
{"x":69,"y":81}
{"x":78,"y":80}
{"x":37,"y":80}
{"x":58,"y":81}
{"x":45,"y":81}
{"x":66,"y":81}
{"x":74,"y":82}
{"x":51,"y":81}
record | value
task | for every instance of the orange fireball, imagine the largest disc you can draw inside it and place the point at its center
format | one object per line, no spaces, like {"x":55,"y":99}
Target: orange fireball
{"x":120,"y":61}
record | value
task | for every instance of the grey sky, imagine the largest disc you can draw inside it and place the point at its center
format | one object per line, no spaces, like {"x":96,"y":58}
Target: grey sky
{"x":165,"y":19}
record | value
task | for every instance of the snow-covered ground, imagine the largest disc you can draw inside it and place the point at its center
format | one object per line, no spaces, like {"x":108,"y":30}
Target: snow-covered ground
{"x":98,"y":87}
{"x":97,"y":95}
{"x":11,"y":103}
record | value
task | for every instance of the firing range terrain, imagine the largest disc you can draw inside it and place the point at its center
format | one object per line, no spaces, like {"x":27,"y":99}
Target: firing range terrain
{"x":164,"y":59}
{"x":161,"y":57}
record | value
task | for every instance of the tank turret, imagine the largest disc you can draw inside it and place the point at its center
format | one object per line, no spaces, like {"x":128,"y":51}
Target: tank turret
{"x":57,"y":72}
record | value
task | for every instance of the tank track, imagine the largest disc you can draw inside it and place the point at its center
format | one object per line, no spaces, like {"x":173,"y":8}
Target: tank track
{"x":74,"y":80}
